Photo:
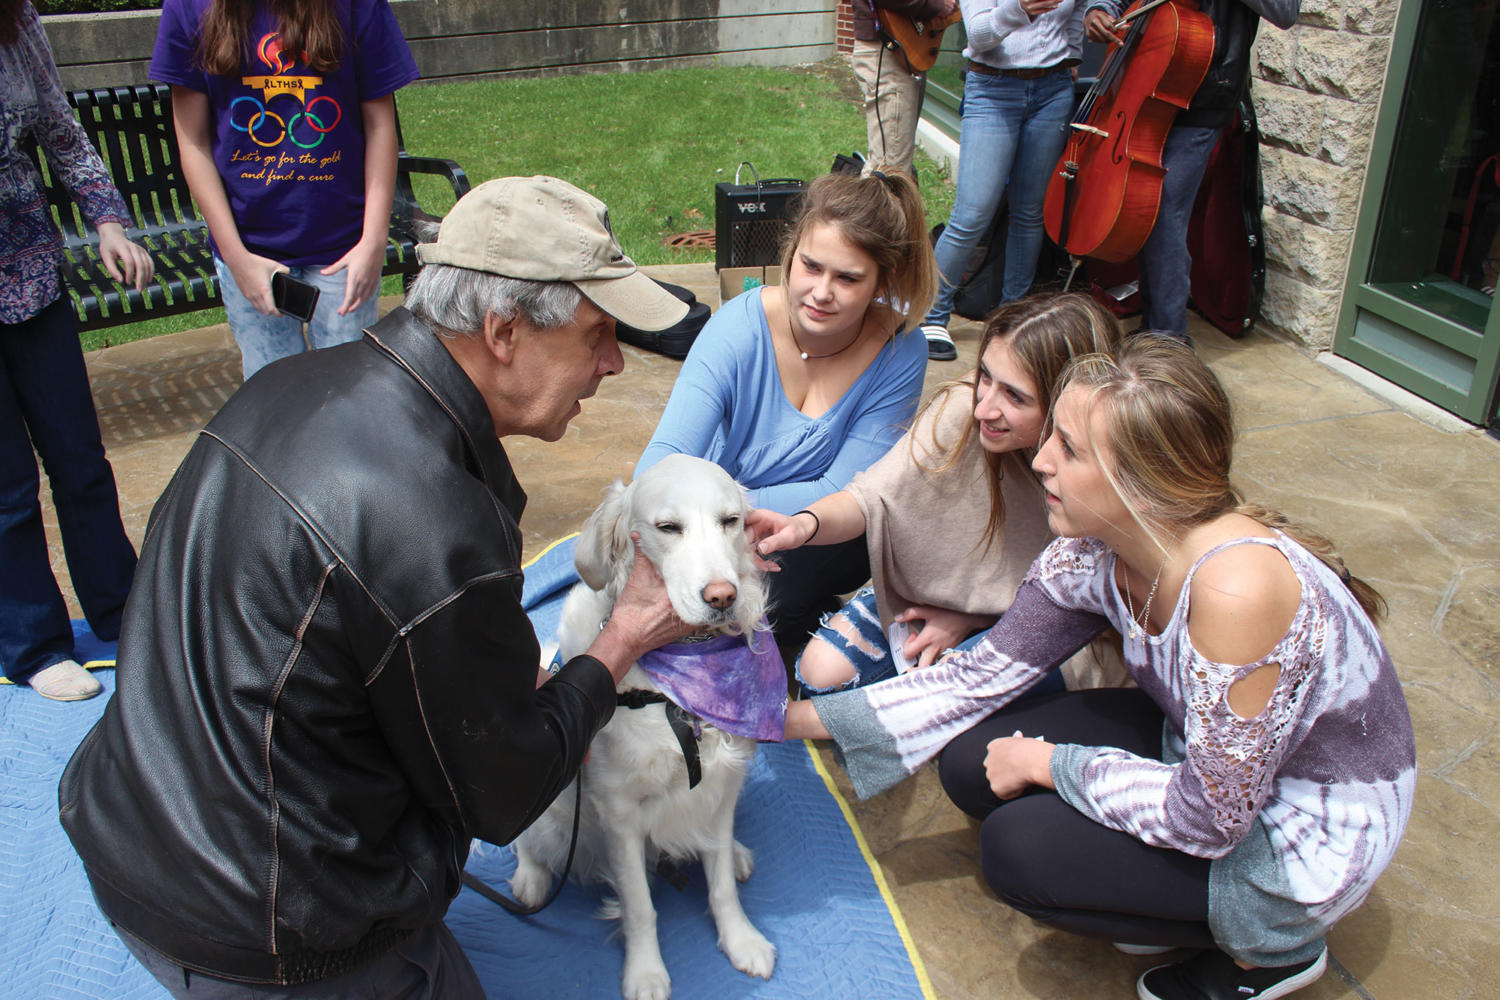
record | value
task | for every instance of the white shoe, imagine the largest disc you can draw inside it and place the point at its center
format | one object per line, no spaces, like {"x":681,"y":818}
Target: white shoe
{"x":1142,"y":949}
{"x":65,"y":681}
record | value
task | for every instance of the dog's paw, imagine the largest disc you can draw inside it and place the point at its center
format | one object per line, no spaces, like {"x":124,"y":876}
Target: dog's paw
{"x":531,"y":881}
{"x":645,"y":981}
{"x":749,"y":951}
{"x":744,"y":862}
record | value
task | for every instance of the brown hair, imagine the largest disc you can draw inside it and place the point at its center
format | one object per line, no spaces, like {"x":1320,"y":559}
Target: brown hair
{"x":881,"y":214}
{"x":307,"y":28}
{"x":1045,"y":333}
{"x":1171,"y":433}
{"x":10,"y":20}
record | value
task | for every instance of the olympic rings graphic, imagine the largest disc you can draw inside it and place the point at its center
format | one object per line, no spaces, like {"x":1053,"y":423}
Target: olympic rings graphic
{"x":313,"y":123}
{"x":262,"y":113}
{"x":338,"y":113}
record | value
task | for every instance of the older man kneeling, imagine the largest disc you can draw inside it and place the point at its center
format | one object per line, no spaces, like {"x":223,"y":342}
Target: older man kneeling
{"x":326,"y":679}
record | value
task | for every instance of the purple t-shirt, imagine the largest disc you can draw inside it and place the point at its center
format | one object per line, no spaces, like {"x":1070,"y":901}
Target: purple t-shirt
{"x":288,"y":140}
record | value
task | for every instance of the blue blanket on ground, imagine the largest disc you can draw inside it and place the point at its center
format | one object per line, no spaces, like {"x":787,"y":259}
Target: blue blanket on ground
{"x":815,"y":893}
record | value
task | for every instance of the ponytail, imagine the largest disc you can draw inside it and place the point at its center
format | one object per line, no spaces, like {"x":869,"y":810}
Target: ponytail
{"x":1369,"y":598}
{"x":881,"y":213}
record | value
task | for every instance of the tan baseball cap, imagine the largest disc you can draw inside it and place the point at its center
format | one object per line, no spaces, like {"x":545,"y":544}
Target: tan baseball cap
{"x":545,"y":229}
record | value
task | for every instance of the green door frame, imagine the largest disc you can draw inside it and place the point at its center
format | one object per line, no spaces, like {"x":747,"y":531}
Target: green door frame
{"x":1440,"y":360}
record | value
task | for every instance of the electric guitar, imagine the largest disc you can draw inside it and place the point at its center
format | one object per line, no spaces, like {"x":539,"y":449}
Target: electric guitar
{"x":919,"y":41}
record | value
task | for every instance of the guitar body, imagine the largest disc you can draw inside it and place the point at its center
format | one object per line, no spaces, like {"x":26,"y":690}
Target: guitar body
{"x":919,"y":41}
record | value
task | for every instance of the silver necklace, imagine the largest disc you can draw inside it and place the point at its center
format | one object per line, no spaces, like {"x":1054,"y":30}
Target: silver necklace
{"x":1138,"y":625}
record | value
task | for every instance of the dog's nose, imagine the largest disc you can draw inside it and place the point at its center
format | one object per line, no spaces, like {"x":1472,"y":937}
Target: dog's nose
{"x":719,"y":594}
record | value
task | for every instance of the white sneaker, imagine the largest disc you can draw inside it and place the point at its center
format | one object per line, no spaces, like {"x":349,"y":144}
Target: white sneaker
{"x":940,"y":345}
{"x":1142,"y":949}
{"x":65,"y":681}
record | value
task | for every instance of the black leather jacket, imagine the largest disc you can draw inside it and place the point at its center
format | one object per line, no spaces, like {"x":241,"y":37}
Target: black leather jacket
{"x":326,"y":680}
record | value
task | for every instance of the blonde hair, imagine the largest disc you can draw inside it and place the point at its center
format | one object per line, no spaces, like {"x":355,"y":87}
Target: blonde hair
{"x":1045,"y":333}
{"x":1170,"y":430}
{"x":880,"y":213}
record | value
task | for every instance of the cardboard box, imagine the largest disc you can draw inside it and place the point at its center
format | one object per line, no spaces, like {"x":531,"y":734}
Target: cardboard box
{"x":736,"y":280}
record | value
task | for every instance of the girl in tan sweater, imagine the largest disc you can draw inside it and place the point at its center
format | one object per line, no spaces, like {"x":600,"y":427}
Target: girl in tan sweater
{"x":952,"y":514}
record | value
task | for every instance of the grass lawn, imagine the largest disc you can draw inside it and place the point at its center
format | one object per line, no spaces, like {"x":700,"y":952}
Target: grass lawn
{"x":651,"y":145}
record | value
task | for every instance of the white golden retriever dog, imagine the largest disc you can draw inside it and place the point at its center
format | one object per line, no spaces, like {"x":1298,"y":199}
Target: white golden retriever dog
{"x":637,"y":802}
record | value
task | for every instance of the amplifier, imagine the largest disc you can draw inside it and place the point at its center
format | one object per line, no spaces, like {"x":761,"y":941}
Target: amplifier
{"x":750,"y":219}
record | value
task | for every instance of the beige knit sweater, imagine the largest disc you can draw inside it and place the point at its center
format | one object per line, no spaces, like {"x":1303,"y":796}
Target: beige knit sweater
{"x":925,"y":528}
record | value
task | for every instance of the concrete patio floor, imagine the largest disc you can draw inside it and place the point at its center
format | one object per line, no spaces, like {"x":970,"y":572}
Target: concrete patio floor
{"x":1412,"y":502}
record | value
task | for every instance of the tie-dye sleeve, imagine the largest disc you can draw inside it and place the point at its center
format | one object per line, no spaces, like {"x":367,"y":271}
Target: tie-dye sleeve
{"x":888,"y":730}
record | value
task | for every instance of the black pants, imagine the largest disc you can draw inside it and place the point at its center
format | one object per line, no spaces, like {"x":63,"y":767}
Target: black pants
{"x":809,"y":584}
{"x":1054,"y":864}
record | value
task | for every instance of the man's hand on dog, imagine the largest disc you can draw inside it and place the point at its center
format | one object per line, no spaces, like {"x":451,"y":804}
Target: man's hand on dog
{"x":642,"y":620}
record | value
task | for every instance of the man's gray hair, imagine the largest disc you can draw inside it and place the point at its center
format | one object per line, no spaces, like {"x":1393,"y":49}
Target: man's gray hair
{"x":453,"y":301}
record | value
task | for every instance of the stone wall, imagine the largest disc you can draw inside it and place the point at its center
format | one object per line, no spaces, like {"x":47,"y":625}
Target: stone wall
{"x":469,"y":39}
{"x":1317,"y":89}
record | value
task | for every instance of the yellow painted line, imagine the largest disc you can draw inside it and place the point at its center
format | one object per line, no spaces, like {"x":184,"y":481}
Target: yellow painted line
{"x":875,"y":870}
{"x":537,"y":558}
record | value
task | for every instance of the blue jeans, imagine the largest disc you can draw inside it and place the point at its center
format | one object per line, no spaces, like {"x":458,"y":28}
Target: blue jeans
{"x":45,"y":404}
{"x":1011,"y":129}
{"x":263,"y":339}
{"x":1166,"y":266}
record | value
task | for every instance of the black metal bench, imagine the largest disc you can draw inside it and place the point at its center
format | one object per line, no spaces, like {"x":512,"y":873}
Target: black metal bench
{"x":132,"y":129}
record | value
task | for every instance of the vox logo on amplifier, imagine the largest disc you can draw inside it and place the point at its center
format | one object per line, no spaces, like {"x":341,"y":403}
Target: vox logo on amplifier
{"x":750,"y":219}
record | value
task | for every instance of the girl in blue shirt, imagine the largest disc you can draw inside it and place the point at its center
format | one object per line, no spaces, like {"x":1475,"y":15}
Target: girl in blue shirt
{"x":794,"y":388}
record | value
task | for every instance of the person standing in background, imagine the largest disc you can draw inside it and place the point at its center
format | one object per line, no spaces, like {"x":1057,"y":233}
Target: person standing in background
{"x":286,"y":118}
{"x":892,"y":89}
{"x":1165,"y":263}
{"x":1018,"y":98}
{"x":45,"y":403}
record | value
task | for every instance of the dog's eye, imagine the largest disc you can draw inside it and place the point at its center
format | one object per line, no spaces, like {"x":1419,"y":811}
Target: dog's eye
{"x":729,"y":520}
{"x":669,"y":527}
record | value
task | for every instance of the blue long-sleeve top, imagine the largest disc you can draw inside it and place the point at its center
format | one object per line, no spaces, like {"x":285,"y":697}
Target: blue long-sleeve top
{"x":729,"y":407}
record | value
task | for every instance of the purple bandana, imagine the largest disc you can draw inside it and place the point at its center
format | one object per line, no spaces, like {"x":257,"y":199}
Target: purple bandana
{"x":725,"y":682}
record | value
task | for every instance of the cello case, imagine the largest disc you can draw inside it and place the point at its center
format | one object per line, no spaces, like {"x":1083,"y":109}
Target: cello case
{"x":1224,"y":237}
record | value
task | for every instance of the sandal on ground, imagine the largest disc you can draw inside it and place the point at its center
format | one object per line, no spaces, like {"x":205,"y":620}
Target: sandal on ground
{"x":64,"y":681}
{"x":940,"y":346}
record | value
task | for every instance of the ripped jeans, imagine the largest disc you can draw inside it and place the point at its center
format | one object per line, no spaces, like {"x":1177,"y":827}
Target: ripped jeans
{"x":868,"y":651}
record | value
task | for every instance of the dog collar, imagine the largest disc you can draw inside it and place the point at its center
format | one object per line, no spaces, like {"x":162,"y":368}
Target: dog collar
{"x":729,"y":682}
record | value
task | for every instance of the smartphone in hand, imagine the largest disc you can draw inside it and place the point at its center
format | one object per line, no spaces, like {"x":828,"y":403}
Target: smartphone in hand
{"x":292,"y":297}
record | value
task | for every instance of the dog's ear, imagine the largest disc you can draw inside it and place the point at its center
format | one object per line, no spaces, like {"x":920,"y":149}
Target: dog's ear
{"x":599,"y":546}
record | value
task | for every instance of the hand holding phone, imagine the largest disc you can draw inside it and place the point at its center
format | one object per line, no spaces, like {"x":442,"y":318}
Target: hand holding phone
{"x":293,"y":297}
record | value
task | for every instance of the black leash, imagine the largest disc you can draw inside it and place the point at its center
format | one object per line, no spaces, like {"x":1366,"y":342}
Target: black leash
{"x":496,"y":896}
{"x":684,"y":726}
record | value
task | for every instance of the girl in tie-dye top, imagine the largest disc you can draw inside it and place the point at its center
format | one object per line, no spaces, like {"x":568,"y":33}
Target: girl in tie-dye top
{"x":1247,"y":796}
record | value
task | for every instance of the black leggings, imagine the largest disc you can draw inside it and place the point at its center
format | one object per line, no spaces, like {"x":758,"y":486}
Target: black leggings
{"x":808,"y":587}
{"x":1054,"y":864}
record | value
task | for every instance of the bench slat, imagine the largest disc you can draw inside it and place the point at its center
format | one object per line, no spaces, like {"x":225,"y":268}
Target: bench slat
{"x":132,"y":129}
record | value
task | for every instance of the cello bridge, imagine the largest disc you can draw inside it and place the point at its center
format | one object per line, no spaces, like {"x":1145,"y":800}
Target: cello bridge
{"x":1080,"y":126}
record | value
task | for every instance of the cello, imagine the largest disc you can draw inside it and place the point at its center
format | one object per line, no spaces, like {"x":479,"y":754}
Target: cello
{"x":1102,"y":201}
